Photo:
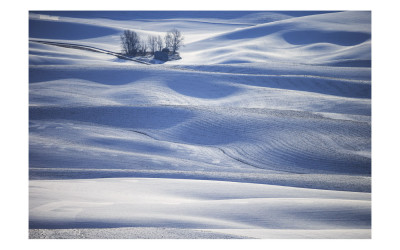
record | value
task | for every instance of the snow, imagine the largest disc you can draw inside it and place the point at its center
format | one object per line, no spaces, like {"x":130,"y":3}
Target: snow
{"x":143,"y":202}
{"x":261,"y":130}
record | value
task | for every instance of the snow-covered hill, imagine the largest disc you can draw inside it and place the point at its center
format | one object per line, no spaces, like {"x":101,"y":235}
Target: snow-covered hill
{"x":262,"y":129}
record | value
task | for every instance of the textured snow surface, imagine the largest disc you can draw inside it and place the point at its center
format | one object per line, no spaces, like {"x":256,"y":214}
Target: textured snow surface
{"x":261,"y":130}
{"x":129,"y":233}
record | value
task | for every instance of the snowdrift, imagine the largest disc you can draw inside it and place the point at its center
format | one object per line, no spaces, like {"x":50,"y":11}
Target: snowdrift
{"x":319,"y":38}
{"x":186,"y":204}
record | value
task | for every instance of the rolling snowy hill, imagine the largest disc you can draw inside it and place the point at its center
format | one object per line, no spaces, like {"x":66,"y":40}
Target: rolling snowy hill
{"x":261,"y":130}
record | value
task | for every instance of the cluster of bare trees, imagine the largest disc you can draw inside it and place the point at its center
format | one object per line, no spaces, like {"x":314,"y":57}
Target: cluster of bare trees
{"x":134,"y":45}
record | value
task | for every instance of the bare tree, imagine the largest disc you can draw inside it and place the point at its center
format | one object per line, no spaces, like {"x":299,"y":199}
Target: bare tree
{"x":143,"y":47}
{"x":130,"y":42}
{"x":160,"y":43}
{"x":152,"y":43}
{"x":168,"y":40}
{"x":176,"y":39}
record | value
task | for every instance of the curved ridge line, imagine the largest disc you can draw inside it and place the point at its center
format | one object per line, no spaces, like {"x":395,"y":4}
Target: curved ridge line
{"x":223,"y":151}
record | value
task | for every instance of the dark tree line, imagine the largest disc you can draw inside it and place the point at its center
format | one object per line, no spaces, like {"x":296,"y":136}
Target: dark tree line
{"x":133,"y":45}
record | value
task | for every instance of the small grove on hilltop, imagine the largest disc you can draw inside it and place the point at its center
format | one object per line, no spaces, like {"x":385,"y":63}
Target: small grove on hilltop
{"x":133,"y":45}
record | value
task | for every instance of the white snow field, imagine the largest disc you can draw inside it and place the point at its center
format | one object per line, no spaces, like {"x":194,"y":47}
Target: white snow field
{"x":261,"y":130}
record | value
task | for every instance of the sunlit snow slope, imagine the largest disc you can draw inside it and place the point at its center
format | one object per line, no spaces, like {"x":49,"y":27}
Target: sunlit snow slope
{"x":261,"y":130}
